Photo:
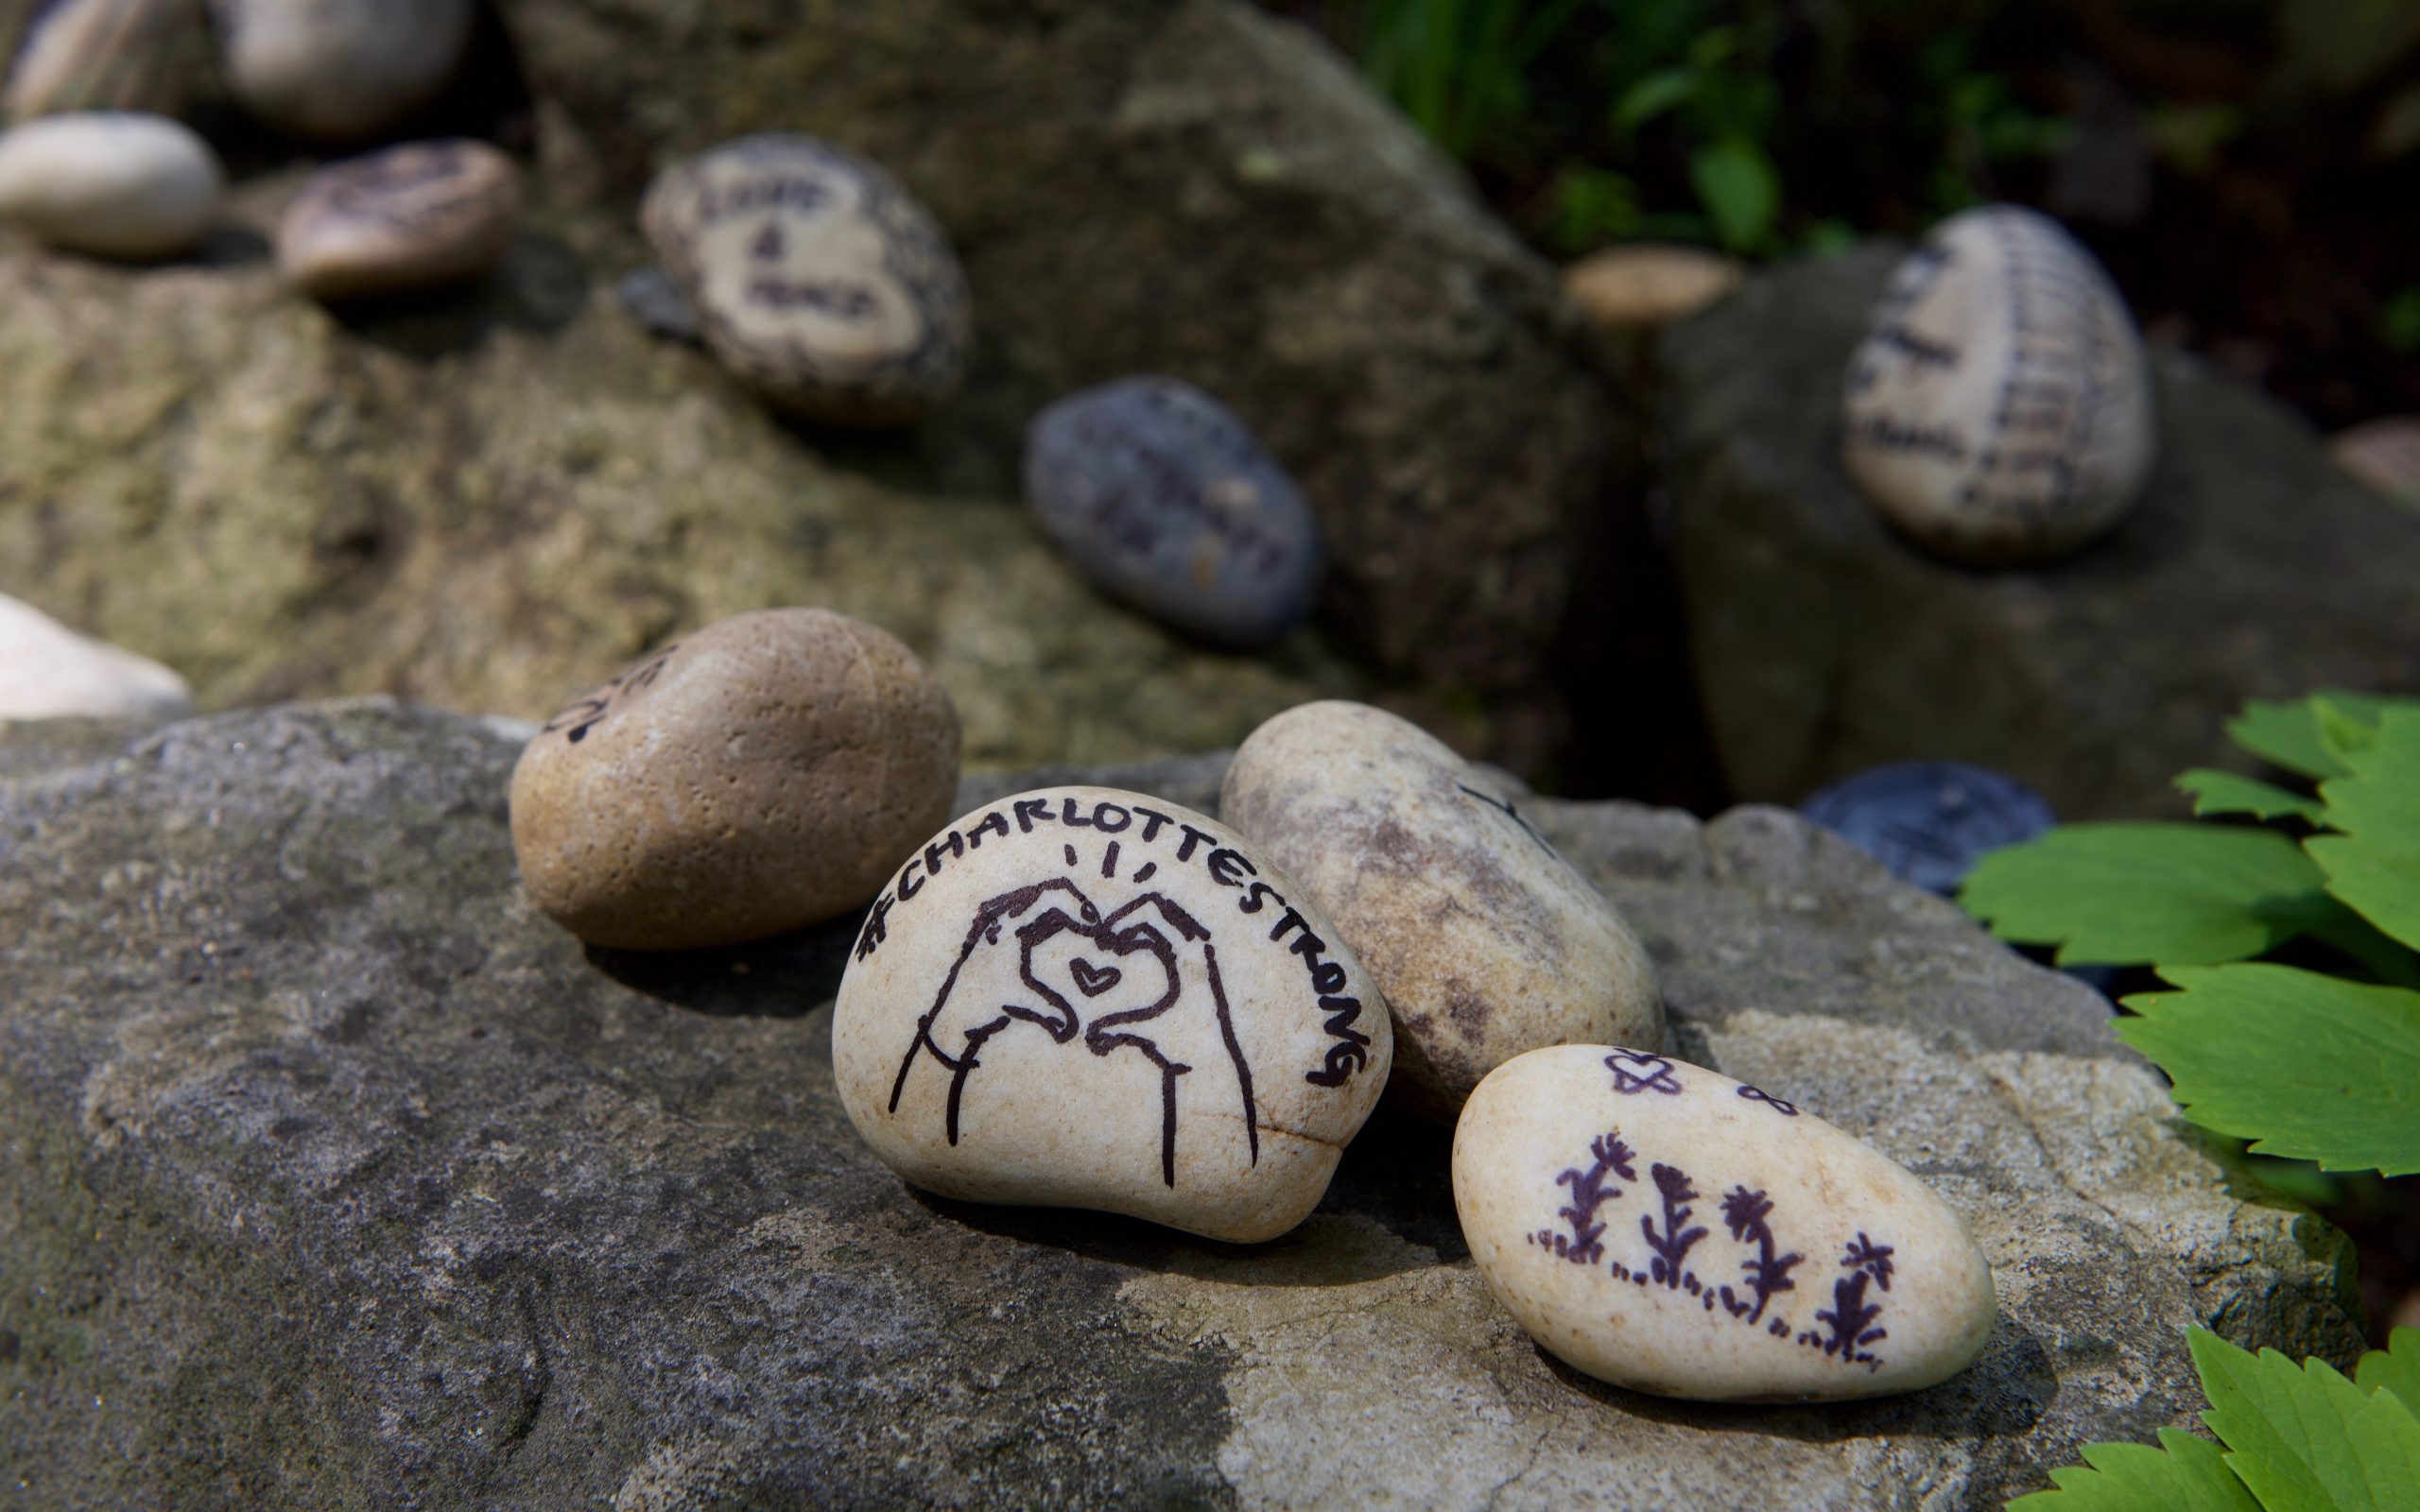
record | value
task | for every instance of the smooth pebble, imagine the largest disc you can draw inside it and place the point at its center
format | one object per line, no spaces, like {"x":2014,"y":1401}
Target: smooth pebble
{"x":815,"y":276}
{"x":760,"y":775}
{"x":1930,"y":821}
{"x":1485,"y":941}
{"x":2383,"y":453}
{"x":1998,"y":409}
{"x":656,"y":302}
{"x":1169,"y":502}
{"x":1672,"y":1230}
{"x":1639,"y":287}
{"x":47,"y":671}
{"x":1083,"y":997}
{"x":104,"y":55}
{"x":410,"y":217}
{"x":109,"y":183}
{"x":338,"y":69}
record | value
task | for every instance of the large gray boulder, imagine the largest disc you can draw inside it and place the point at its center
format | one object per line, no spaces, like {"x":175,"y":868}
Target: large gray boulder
{"x":333,"y":1177}
{"x":2254,"y":567}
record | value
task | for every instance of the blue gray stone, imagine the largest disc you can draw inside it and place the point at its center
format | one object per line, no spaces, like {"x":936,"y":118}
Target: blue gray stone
{"x":1929,"y":821}
{"x":1169,"y":502}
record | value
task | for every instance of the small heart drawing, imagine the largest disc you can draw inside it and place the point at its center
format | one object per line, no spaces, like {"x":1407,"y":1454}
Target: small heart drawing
{"x":1091,"y":980}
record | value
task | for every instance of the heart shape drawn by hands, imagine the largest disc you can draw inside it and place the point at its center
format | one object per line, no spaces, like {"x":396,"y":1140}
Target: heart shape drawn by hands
{"x":1091,"y":980}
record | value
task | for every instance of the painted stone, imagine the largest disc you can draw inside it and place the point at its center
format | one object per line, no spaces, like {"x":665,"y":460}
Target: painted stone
{"x":1672,"y":1230}
{"x":1637,"y":288}
{"x":47,"y":671}
{"x":1998,"y":409}
{"x":109,"y":183}
{"x":1930,"y":821}
{"x":104,"y":55}
{"x":1170,"y":502}
{"x":816,"y":277}
{"x":338,"y":68}
{"x":1485,"y":942}
{"x":2384,"y":454}
{"x":1085,"y":997}
{"x":760,"y":775}
{"x":411,"y":216}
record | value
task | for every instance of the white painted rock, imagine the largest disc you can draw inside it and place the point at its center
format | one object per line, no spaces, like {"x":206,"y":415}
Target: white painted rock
{"x":110,"y":185}
{"x":47,"y":671}
{"x":338,"y":68}
{"x":1998,"y":409}
{"x":1673,"y":1232}
{"x":815,"y":276}
{"x":104,"y":55}
{"x":1087,"y":998}
{"x":411,"y":216}
{"x":1484,"y":941}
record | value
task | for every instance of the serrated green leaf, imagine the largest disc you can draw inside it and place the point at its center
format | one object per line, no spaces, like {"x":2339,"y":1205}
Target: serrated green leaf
{"x":2217,"y":792}
{"x":2285,"y":734}
{"x":2373,"y":864}
{"x":2185,"y":1474}
{"x":2303,"y":1439}
{"x":2131,"y":894}
{"x":2306,"y":1065}
{"x":2395,"y":1368}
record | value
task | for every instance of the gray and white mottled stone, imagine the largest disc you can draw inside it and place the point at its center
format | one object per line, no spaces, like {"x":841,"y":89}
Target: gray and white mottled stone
{"x":114,"y":184}
{"x":338,"y":68}
{"x":1672,"y":1231}
{"x":1486,"y":942}
{"x":1168,"y":501}
{"x":1998,"y":409}
{"x":47,"y":671}
{"x":816,"y":278}
{"x":411,"y":216}
{"x":657,"y":303}
{"x":1088,"y":997}
{"x":104,"y":55}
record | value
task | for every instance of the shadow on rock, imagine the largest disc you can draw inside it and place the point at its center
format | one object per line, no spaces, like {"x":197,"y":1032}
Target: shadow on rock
{"x":541,"y":287}
{"x":785,"y":977}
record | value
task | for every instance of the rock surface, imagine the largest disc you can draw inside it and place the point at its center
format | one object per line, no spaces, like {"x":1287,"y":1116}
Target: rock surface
{"x":2253,"y":567}
{"x":331,"y":1169}
{"x":412,"y":216}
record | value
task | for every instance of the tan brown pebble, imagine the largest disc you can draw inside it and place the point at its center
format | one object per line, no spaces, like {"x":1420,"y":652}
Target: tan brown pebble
{"x":815,"y":277}
{"x":104,"y":55}
{"x":1637,"y":288}
{"x":411,"y":216}
{"x":2384,"y":454}
{"x":1083,"y":997}
{"x":1485,"y":942}
{"x":1653,"y":1224}
{"x":760,"y":775}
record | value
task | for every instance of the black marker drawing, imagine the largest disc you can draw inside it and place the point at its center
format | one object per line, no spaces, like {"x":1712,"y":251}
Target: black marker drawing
{"x":1744,"y":1213}
{"x":1634,"y":1072}
{"x":1505,"y":806}
{"x":1850,"y":1316}
{"x":1144,"y":948}
{"x":1758,"y":1094}
{"x":1588,"y":1193}
{"x":1673,"y":1243}
{"x":584,"y":714}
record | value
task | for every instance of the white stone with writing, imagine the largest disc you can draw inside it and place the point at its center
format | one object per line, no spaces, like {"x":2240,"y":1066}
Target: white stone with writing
{"x":1083,"y":997}
{"x":411,"y":216}
{"x":338,"y":68}
{"x":104,"y":55}
{"x":1669,"y":1229}
{"x":815,"y":276}
{"x":47,"y":671}
{"x":114,"y":184}
{"x":1998,"y":409}
{"x":1484,"y":940}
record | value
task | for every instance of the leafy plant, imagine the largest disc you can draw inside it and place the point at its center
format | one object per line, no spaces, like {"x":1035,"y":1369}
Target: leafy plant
{"x":2295,"y":1437}
{"x":2313,"y":1064}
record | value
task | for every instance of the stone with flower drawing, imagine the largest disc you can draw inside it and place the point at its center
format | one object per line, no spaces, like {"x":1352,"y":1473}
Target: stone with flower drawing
{"x":1669,"y":1229}
{"x":1085,"y":997}
{"x":104,"y":55}
{"x":1486,"y":942}
{"x":412,"y":216}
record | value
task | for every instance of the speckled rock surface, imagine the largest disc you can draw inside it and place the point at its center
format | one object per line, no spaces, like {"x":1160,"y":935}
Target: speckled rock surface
{"x":2253,"y":566}
{"x":333,"y":1170}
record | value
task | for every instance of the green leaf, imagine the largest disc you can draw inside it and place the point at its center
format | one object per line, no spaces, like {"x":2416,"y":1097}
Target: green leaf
{"x":2190,"y":1476}
{"x":2303,"y":1438}
{"x":1651,"y":97}
{"x":2307,"y":1066}
{"x":2373,"y":865}
{"x":2286,"y":735}
{"x":2129,"y":894}
{"x":2216,"y":792}
{"x":1736,"y":184}
{"x":2395,"y":1368}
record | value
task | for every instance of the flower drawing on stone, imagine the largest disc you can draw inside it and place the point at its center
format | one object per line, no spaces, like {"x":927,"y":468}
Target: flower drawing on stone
{"x":1849,"y":1322}
{"x":1141,"y":980}
{"x":1744,"y":1213}
{"x":1671,"y":1245}
{"x":1582,"y":1245}
{"x":1635,"y":1072}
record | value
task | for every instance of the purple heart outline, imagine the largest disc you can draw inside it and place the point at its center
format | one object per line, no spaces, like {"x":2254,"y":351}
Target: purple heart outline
{"x":1091,"y":980}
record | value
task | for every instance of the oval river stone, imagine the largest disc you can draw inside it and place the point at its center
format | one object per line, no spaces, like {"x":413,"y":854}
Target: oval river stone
{"x":815,"y":277}
{"x":1082,"y":997}
{"x":760,"y":775}
{"x":338,"y":68}
{"x":110,"y":185}
{"x":1930,"y":821}
{"x":423,"y":213}
{"x":104,"y":55}
{"x":47,"y":671}
{"x":1484,"y":941}
{"x":1168,"y":501}
{"x":1998,"y":409}
{"x":1672,"y":1230}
